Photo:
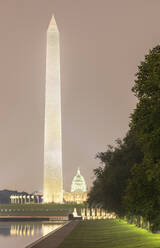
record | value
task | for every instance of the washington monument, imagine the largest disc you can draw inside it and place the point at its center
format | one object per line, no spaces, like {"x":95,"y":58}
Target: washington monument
{"x":53,"y":189}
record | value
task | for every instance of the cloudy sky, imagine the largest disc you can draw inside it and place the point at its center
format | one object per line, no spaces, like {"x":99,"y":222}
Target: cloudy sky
{"x":102,"y":43}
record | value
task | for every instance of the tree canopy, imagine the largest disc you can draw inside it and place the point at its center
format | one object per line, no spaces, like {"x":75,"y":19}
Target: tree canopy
{"x":129,"y":180}
{"x":112,"y":177}
{"x":143,"y":191}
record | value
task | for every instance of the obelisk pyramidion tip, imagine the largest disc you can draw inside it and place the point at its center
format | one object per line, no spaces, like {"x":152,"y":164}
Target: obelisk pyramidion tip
{"x":53,"y":25}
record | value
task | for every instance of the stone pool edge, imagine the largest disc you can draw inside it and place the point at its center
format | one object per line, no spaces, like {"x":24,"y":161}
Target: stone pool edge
{"x":58,"y":236}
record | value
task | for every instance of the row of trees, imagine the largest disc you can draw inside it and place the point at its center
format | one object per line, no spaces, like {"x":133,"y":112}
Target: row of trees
{"x":5,"y":195}
{"x":128,"y":180}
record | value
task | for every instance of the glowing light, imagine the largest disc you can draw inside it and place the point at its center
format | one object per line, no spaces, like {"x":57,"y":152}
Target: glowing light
{"x":53,"y":148}
{"x":48,"y":228}
{"x":78,"y":183}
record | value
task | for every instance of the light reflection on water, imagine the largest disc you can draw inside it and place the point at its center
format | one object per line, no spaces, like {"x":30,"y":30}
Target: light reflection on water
{"x":20,"y":234}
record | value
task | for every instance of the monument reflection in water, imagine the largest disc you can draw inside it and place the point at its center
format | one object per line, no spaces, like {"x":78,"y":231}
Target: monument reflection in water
{"x":31,"y":229}
{"x":21,"y":234}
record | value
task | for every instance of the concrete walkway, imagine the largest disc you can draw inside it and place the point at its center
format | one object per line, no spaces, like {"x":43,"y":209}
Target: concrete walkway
{"x":54,"y":239}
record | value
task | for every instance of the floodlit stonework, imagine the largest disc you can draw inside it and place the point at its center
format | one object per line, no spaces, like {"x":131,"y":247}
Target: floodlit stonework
{"x":78,"y":183}
{"x":75,"y":197}
{"x":52,"y":191}
{"x":78,"y":192}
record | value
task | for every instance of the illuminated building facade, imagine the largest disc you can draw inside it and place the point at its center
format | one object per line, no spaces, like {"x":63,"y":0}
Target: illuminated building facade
{"x":52,"y":191}
{"x":78,"y":192}
{"x":78,"y":183}
{"x":35,"y":197}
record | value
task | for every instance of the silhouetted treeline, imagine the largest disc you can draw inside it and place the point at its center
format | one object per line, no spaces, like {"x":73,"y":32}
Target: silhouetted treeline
{"x":128,"y":182}
{"x":5,"y":195}
{"x":112,"y":176}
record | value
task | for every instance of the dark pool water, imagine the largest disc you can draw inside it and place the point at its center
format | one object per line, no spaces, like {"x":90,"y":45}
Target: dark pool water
{"x":21,"y":234}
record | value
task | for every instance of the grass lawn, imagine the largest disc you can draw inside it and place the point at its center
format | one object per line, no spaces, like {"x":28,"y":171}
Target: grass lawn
{"x":110,"y":234}
{"x":38,"y":209}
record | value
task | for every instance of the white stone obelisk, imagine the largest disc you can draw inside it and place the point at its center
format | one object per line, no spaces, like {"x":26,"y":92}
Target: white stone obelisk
{"x":53,"y":189}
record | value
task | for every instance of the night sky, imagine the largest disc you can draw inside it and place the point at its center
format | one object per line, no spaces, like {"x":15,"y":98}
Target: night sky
{"x":102,"y":43}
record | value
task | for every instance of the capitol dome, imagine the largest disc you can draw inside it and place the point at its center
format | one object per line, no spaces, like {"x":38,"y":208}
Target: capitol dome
{"x":78,"y":183}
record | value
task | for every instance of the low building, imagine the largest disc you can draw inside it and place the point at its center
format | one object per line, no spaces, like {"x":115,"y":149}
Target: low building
{"x":35,"y":197}
{"x":77,"y":195}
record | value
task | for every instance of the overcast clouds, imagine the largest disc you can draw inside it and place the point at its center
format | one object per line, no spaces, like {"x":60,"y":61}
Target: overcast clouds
{"x":102,"y":42}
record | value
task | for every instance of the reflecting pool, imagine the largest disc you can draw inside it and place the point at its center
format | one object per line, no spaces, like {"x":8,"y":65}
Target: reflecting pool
{"x":21,"y":234}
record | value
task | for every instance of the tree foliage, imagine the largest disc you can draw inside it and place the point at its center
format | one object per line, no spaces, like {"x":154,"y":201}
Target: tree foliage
{"x":5,"y":195}
{"x":111,"y":178}
{"x":143,"y":192}
{"x":146,"y":117}
{"x":131,"y":171}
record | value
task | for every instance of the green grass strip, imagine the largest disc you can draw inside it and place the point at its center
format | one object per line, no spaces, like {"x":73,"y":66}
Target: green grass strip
{"x":38,"y":209}
{"x":110,"y":234}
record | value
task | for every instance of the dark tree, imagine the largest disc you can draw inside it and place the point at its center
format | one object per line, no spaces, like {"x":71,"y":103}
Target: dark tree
{"x":111,"y":179}
{"x":143,"y":191}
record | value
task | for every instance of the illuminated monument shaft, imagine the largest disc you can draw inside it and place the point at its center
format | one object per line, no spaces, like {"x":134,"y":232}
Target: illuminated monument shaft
{"x":52,"y":191}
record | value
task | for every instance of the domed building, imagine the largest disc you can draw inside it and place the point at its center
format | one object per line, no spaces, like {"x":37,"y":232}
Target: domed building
{"x":78,"y":192}
{"x":78,"y":183}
